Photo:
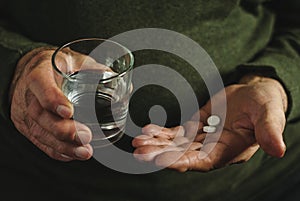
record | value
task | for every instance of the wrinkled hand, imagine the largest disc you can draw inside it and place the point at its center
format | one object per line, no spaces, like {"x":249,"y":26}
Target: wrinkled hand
{"x":255,"y":118}
{"x":42,"y":113}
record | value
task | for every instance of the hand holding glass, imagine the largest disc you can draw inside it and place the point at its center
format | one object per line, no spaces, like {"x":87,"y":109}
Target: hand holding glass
{"x":95,"y":75}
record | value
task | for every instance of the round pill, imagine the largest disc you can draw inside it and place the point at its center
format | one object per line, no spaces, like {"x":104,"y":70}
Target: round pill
{"x":213,"y":120}
{"x":209,"y":129}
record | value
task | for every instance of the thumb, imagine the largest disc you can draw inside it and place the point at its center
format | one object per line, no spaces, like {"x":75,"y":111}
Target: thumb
{"x":269,"y":129}
{"x":43,"y":85}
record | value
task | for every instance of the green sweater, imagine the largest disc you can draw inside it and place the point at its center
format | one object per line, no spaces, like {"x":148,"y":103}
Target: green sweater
{"x":234,"y":33}
{"x":241,"y":36}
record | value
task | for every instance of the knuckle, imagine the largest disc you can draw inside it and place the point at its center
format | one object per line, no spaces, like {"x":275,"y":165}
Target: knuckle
{"x":47,"y":149}
{"x":60,"y":147}
{"x":35,"y":131}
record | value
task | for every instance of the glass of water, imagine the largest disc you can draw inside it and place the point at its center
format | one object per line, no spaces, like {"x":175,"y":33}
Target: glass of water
{"x":95,"y":75}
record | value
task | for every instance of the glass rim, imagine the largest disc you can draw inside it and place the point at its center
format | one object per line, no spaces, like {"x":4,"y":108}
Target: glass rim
{"x":91,"y":39}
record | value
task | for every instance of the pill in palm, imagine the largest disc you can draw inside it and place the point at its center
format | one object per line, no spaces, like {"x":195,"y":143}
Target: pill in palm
{"x":209,"y":129}
{"x":213,"y":120}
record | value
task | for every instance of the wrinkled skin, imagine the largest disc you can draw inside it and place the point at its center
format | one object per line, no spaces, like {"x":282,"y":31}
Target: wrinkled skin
{"x":42,"y":113}
{"x":255,"y":118}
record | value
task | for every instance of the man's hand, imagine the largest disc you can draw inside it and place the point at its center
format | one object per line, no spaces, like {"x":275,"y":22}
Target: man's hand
{"x":255,"y":118}
{"x":42,"y":113}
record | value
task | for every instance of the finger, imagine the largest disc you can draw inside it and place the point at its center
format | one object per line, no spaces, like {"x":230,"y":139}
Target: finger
{"x":46,"y":138}
{"x":43,"y":86}
{"x":168,"y":133}
{"x":245,"y":155}
{"x":51,"y":152}
{"x":177,"y":160}
{"x":269,"y":128}
{"x":68,"y":150}
{"x":62,"y":129}
{"x":179,"y":140}
{"x":144,"y":140}
{"x":190,"y":160}
{"x":68,"y":60}
{"x":215,"y":153}
{"x":88,"y":63}
{"x":192,"y":146}
{"x":149,"y":152}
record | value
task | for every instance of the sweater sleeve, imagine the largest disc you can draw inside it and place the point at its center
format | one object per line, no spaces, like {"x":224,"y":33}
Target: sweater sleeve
{"x":12,"y":47}
{"x":280,"y":59}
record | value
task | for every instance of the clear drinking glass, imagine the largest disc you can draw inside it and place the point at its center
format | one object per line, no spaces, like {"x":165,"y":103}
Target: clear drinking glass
{"x":95,"y":75}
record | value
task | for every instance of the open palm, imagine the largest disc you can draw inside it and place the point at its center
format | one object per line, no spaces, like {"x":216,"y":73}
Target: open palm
{"x":255,"y":118}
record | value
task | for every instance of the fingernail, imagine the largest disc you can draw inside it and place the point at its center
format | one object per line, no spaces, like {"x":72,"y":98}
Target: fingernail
{"x":83,"y":137}
{"x":82,"y":152}
{"x":64,"y":111}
